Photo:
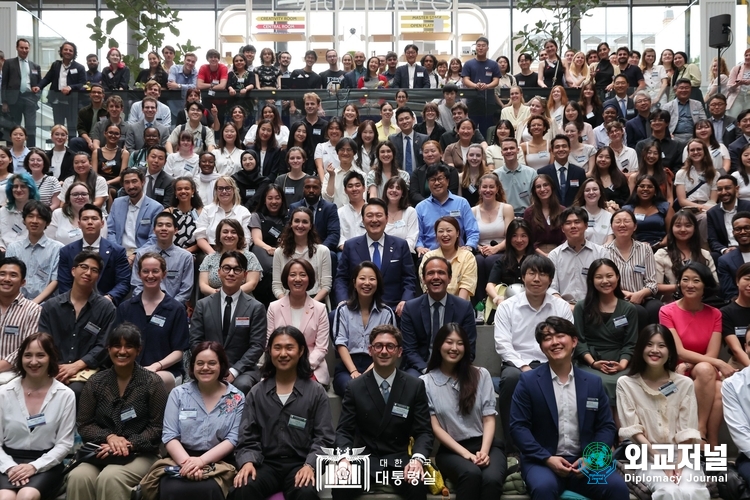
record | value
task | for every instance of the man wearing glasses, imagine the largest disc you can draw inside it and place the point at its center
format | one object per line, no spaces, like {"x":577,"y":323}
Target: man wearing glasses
{"x":731,"y":261}
{"x":79,"y":319}
{"x":235,"y":320}
{"x":132,"y":216}
{"x":671,"y":150}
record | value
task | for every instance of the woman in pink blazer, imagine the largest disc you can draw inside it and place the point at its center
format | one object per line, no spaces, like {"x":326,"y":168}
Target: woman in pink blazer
{"x":301,"y":311}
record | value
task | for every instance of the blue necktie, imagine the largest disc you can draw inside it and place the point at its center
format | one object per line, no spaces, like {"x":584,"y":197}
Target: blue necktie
{"x":624,"y":107}
{"x":149,"y":124}
{"x":407,"y":156}
{"x":376,"y":254}
{"x":563,"y":185}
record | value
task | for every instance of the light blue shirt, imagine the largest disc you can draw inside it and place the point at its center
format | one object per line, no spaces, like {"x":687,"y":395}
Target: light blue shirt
{"x":163,"y":114}
{"x":177,"y":75}
{"x":517,"y":185}
{"x":178,"y":283}
{"x":186,"y":418}
{"x":430,"y":210}
{"x":349,"y":332}
{"x":41,"y":262}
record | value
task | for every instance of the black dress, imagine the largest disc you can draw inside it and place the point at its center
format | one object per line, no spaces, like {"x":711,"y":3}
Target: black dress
{"x":250,"y":184}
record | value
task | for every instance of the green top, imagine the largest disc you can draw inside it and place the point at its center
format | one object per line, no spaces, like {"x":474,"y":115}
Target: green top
{"x":606,"y":341}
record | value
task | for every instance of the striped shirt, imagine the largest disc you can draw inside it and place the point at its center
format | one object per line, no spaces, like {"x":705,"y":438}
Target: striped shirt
{"x":348,"y":330}
{"x":48,"y":188}
{"x":20,"y":320}
{"x":638,"y":271}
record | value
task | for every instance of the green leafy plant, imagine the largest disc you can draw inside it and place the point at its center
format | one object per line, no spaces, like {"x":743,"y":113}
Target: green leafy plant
{"x":566,"y":15}
{"x":148,"y":20}
{"x":182,"y":49}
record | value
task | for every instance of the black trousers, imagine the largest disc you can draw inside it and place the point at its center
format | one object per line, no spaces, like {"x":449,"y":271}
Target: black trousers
{"x":473,"y":482}
{"x":276,"y":475}
{"x":405,"y":490}
{"x":508,"y":382}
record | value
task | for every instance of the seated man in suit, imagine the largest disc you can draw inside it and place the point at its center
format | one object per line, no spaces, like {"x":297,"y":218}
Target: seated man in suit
{"x":131,"y":217}
{"x":235,"y":320}
{"x":163,"y":114}
{"x":325,"y":214}
{"x":725,"y":128}
{"x":719,"y":217}
{"x":134,"y":138}
{"x":639,"y":128}
{"x":566,"y":177}
{"x":728,"y":263}
{"x":408,"y":142}
{"x":422,"y":317}
{"x":515,"y":321}
{"x":158,"y":184}
{"x":411,"y":75}
{"x":380,"y":411}
{"x":735,"y":148}
{"x":79,"y":320}
{"x":389,"y":253}
{"x":684,"y":112}
{"x":550,"y":435}
{"x":624,"y":104}
{"x":114,"y":273}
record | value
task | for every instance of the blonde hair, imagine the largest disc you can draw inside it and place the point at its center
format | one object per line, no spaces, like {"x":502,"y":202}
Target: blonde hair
{"x":465,"y":177}
{"x":59,"y":127}
{"x":236,"y":199}
{"x":584,"y":69}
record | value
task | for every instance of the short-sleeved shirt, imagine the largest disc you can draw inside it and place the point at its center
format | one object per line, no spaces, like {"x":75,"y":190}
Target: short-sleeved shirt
{"x":734,"y":321}
{"x":267,"y":75}
{"x":694,"y":329}
{"x":481,"y":71}
{"x":700,"y":195}
{"x":633,"y":74}
{"x":525,"y":81}
{"x":215,"y":77}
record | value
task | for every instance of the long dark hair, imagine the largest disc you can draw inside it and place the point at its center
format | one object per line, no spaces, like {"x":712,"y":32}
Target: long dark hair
{"x":742,"y":170}
{"x":376,"y":165}
{"x":635,"y":201}
{"x":306,"y":144}
{"x":555,"y":209}
{"x":467,"y":375}
{"x":616,"y":176}
{"x":353,"y":301}
{"x":263,"y":210}
{"x":591,"y":303}
{"x":510,"y":259}
{"x":287,"y":237}
{"x":304,"y":370}
{"x":659,"y":173}
{"x":360,"y":144}
{"x":694,"y":243}
{"x":271,"y":143}
{"x":638,"y":364}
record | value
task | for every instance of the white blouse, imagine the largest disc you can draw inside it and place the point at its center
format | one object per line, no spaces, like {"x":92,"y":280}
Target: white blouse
{"x":227,"y":163}
{"x":281,"y":138}
{"x":213,"y":214}
{"x":63,"y":230}
{"x":407,"y":228}
{"x":102,"y":190}
{"x":177,"y":166}
{"x":12,"y":227}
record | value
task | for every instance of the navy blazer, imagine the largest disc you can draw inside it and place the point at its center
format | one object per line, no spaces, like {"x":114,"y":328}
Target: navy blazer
{"x":401,"y":80}
{"x":419,"y":139}
{"x":635,"y":130}
{"x":146,"y":217}
{"x":631,"y":111}
{"x":114,"y":277}
{"x":575,"y":174}
{"x":76,"y":80}
{"x":726,"y":268}
{"x":718,"y":239}
{"x":416,"y":328}
{"x":12,"y":81}
{"x":533,"y":414}
{"x":735,"y":149}
{"x":397,"y":268}
{"x":327,"y":222}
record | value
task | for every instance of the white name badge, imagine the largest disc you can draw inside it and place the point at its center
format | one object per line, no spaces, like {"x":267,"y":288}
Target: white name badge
{"x":73,"y":71}
{"x":74,"y":233}
{"x":245,"y":321}
{"x":316,"y":131}
{"x":640,"y":269}
{"x":274,"y":232}
{"x":625,"y":163}
{"x":211,"y":93}
{"x":111,"y":163}
{"x":289,"y":190}
{"x":420,"y":74}
{"x":298,"y":422}
{"x":251,"y":192}
{"x":584,"y":271}
{"x":36,"y":420}
{"x":585,"y":138}
{"x":188,"y":414}
{"x":574,"y":183}
{"x":621,"y":322}
{"x":640,"y":217}
{"x":400,"y":410}
{"x":399,"y":224}
{"x":472,"y":188}
{"x":189,"y":168}
{"x":523,"y":194}
{"x":543,"y":154}
{"x":730,"y":127}
{"x":17,"y":229}
{"x":172,"y":274}
{"x":668,"y":388}
{"x":145,"y":222}
{"x":159,"y":191}
{"x":127,"y":414}
{"x":455,"y":213}
{"x":11,"y":330}
{"x":739,"y":331}
{"x":42,"y":273}
{"x":590,"y":115}
{"x":158,"y":320}
{"x":592,"y":404}
{"x":716,"y":153}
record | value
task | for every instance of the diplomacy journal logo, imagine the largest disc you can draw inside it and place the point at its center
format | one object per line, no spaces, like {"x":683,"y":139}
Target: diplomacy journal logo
{"x":598,"y":463}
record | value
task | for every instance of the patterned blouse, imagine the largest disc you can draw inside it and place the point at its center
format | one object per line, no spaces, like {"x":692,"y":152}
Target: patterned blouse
{"x":185,"y":228}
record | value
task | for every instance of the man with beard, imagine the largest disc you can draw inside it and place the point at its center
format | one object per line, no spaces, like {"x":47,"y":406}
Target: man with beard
{"x":352,"y":77}
{"x":632,"y":72}
{"x":731,"y":261}
{"x":88,"y":117}
{"x":719,"y":217}
{"x":93,"y":75}
{"x":132,"y":216}
{"x":67,"y":78}
{"x":325,"y":214}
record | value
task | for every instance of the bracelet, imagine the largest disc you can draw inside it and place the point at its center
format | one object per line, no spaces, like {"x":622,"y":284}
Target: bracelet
{"x":352,"y":371}
{"x":161,"y":367}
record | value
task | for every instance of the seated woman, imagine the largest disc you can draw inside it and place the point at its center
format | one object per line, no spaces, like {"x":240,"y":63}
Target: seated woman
{"x":430,"y":126}
{"x":697,"y":334}
{"x":580,"y":154}
{"x":608,"y":174}
{"x":299,"y":310}
{"x":37,"y":166}
{"x":268,"y":150}
{"x":325,"y":152}
{"x":18,"y":191}
{"x":695,"y":183}
{"x":248,"y":179}
{"x":60,"y":156}
{"x":189,"y":445}
{"x":543,"y":216}
{"x":229,"y":237}
{"x":366,"y":139}
{"x":635,"y":261}
{"x":292,"y":183}
{"x":653,"y":214}
{"x":474,"y":168}
{"x":641,"y":397}
{"x":402,"y":218}
{"x":109,"y":160}
{"x":266,"y":226}
{"x":650,"y":163}
{"x":683,"y":246}
{"x":455,"y":154}
{"x":607,"y":326}
{"x":226,"y":205}
{"x":735,"y":318}
{"x":183,"y":162}
{"x":228,"y":150}
{"x":464,"y":265}
{"x":122,"y":410}
{"x":469,"y":454}
{"x":301,"y":138}
{"x":268,"y":464}
{"x":32,"y":461}
{"x":590,"y":197}
{"x":64,"y":226}
{"x":85,"y":173}
{"x":161,"y":320}
{"x":507,"y":271}
{"x":384,"y":168}
{"x":537,"y":150}
{"x":353,"y":322}
{"x":493,"y":155}
{"x":300,"y":241}
{"x":186,"y":207}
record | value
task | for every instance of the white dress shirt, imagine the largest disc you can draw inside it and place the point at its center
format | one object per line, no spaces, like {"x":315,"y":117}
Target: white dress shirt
{"x":351,"y":223}
{"x":735,"y":392}
{"x":568,"y":438}
{"x":571,"y":268}
{"x":131,"y":221}
{"x":62,"y":81}
{"x":63,"y":230}
{"x":371,"y":248}
{"x":212,"y":214}
{"x":339,"y":197}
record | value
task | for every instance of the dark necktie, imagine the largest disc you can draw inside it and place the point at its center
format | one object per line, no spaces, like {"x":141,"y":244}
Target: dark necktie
{"x":435,"y":320}
{"x":385,"y":390}
{"x":376,"y":259}
{"x":563,"y":185}
{"x":408,"y":163}
{"x":149,"y":124}
{"x":227,"y":321}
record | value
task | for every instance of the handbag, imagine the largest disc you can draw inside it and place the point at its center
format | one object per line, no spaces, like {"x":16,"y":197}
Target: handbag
{"x":676,"y":204}
{"x":87,"y":454}
{"x":438,"y":486}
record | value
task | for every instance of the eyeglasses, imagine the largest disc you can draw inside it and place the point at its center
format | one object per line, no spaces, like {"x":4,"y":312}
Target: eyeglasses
{"x":223,"y":188}
{"x":86,"y":267}
{"x":232,"y":270}
{"x":79,"y":195}
{"x":391,"y":348}
{"x":743,"y":229}
{"x":437,"y":178}
{"x":19,"y":187}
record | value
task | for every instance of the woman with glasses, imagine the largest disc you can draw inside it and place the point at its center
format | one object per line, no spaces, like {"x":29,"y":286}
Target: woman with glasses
{"x":37,"y":165}
{"x":226,"y":205}
{"x":65,"y":225}
{"x":703,"y":130}
{"x":229,"y":236}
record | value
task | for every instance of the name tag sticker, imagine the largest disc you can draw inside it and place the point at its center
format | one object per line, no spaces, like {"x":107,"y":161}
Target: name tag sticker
{"x":251,"y":192}
{"x":630,"y":112}
{"x":274,"y":232}
{"x":11,"y":330}
{"x":739,"y":331}
{"x":211,"y":93}
{"x":159,"y":191}
{"x":663,"y":155}
{"x":173,"y":274}
{"x":592,"y":404}
{"x":585,"y":137}
{"x":574,"y":183}
{"x":188,"y":167}
{"x":17,"y":229}
{"x":716,"y":153}
{"x":730,"y":127}
{"x":42,"y":273}
{"x":455,"y":213}
{"x":472,"y":188}
{"x":523,"y":84}
{"x":624,"y":163}
{"x":145,"y":222}
{"x":592,"y":224}
{"x":668,"y":388}
{"x":488,"y":73}
{"x":36,"y":420}
{"x":111,"y":163}
{"x":158,"y":320}
{"x":590,"y":115}
{"x":244,"y":321}
{"x":73,"y":71}
{"x":640,"y":217}
{"x":399,"y":224}
{"x":400,"y":410}
{"x":585,"y":271}
{"x":298,"y":422}
{"x":523,"y":194}
{"x":127,"y":414}
{"x":188,"y":414}
{"x":420,"y":74}
{"x":316,"y":131}
{"x":640,"y":269}
{"x":621,"y":321}
{"x":288,"y":190}
{"x":92,"y":328}
{"x":543,"y":154}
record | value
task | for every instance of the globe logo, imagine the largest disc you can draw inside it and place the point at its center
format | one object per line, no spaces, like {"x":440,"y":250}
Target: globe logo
{"x":597,"y":462}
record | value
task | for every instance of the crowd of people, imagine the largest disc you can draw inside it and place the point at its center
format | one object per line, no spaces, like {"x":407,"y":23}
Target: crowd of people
{"x":173,"y":275}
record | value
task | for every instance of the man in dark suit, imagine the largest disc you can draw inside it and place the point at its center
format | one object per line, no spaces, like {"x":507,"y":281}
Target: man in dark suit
{"x":621,"y":99}
{"x":325,"y":215}
{"x":114,"y":276}
{"x":422,"y":317}
{"x":538,"y":417}
{"x":411,"y":75}
{"x":720,"y":216}
{"x":639,"y":128}
{"x":728,"y":263}
{"x":725,"y":128}
{"x":743,"y":138}
{"x":20,"y":77}
{"x":158,"y":184}
{"x":64,"y":100}
{"x":235,"y":320}
{"x":380,"y":411}
{"x":352,"y":78}
{"x":392,"y":257}
{"x":566,"y":177}
{"x":408,"y":142}
{"x":134,"y":139}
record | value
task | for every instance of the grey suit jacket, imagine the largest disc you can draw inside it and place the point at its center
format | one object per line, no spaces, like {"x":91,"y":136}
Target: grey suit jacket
{"x":134,"y":136}
{"x":246,"y":339}
{"x":696,"y":111}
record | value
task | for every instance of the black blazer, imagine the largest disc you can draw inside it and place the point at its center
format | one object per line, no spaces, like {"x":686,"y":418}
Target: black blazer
{"x":575,"y":175}
{"x":271,"y":167}
{"x":368,"y":421}
{"x":66,"y":169}
{"x":244,"y":344}
{"x":437,"y":131}
{"x":12,"y":80}
{"x":418,"y":188}
{"x":164,"y":182}
{"x":630,"y":108}
{"x":398,"y":141}
{"x":76,"y":80}
{"x":401,"y":80}
{"x":718,"y":239}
